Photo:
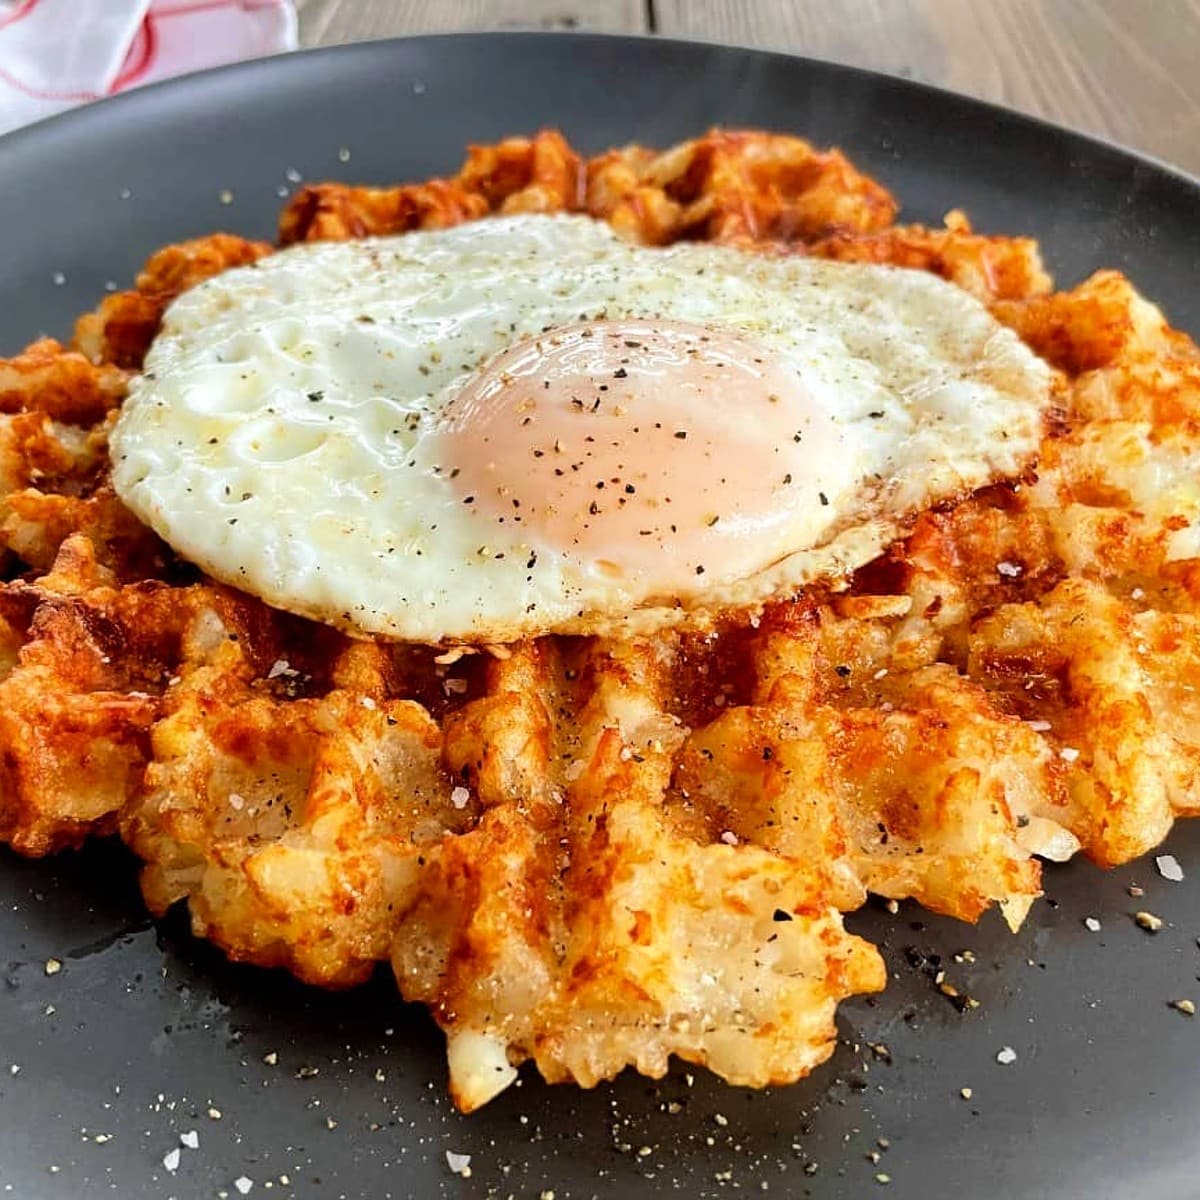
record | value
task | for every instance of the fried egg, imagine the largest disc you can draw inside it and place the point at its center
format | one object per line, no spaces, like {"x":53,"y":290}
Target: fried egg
{"x":525,"y":424}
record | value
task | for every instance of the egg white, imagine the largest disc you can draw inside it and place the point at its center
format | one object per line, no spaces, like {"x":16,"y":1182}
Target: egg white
{"x":283,"y":435}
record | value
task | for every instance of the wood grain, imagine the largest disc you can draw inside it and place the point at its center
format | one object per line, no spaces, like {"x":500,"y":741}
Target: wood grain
{"x":1123,"y":69}
{"x":329,"y":22}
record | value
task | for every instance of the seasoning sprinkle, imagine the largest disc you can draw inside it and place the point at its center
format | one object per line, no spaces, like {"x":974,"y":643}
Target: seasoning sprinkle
{"x":460,"y":1164}
{"x":1169,"y":868}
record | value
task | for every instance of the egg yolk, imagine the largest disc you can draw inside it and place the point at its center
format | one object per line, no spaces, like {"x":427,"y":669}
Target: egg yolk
{"x":659,"y":453}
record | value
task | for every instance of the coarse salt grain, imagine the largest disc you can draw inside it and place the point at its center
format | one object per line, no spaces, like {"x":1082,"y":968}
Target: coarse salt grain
{"x":1169,"y":868}
{"x":1010,"y":570}
{"x":53,"y":966}
{"x":729,"y":837}
{"x":1007,"y":1056}
{"x":237,"y":801}
{"x":460,"y":1164}
{"x":243,"y":1185}
{"x":1040,"y":726}
{"x":1092,"y":924}
{"x":1148,"y":921}
{"x":1184,"y":1006}
{"x":171,"y":1159}
{"x":191,"y":1139}
{"x":459,"y":797}
{"x":1068,"y":754}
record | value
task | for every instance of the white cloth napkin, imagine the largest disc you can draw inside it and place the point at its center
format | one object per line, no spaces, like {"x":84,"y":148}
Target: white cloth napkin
{"x":55,"y":54}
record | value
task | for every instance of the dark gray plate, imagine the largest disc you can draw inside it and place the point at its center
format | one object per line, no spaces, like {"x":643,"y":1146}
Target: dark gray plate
{"x":144,"y":1030}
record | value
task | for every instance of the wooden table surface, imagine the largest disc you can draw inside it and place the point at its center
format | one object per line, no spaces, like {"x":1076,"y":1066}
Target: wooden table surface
{"x":1123,"y":69}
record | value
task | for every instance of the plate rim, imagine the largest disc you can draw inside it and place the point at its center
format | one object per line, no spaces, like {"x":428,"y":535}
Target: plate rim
{"x":15,"y":140}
